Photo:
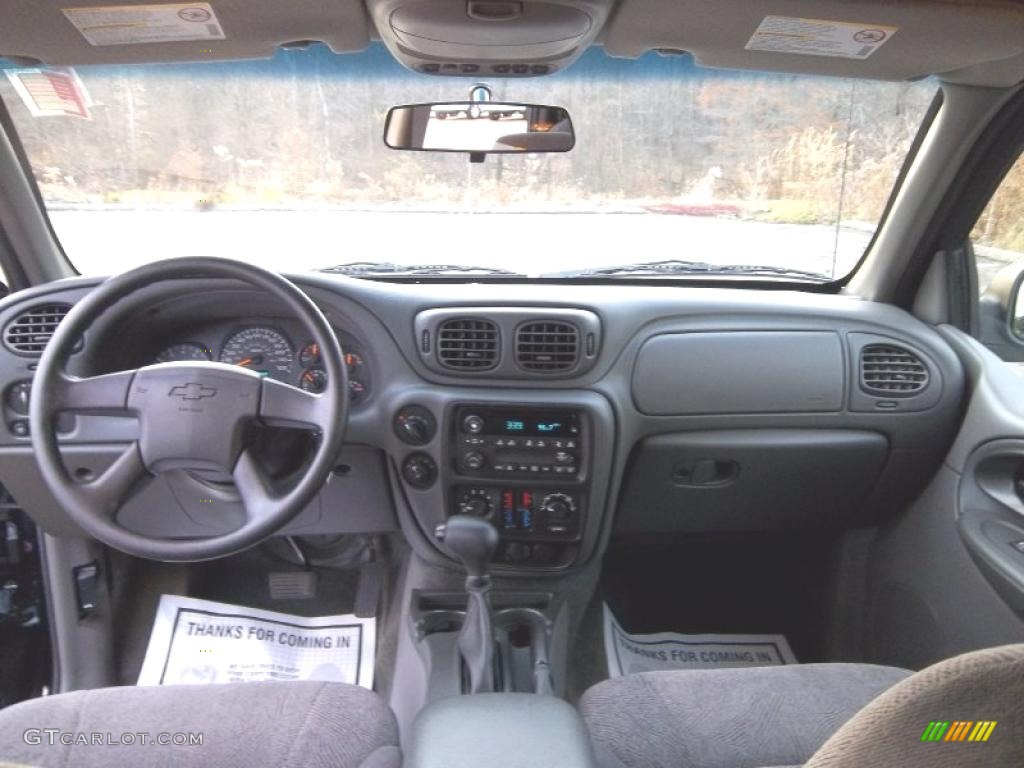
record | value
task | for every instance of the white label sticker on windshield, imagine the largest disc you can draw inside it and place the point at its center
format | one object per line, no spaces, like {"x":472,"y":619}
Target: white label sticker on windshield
{"x":819,"y":37}
{"x":132,"y":24}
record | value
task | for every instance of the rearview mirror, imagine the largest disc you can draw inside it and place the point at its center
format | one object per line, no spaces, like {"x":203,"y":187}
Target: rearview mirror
{"x":479,"y":127}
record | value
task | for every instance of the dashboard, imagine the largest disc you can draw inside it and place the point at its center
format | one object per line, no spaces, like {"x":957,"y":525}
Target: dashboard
{"x":563,"y":414}
{"x":278,"y":349}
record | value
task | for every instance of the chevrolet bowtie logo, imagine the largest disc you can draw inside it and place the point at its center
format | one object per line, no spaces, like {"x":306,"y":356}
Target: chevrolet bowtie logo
{"x":192,"y":391}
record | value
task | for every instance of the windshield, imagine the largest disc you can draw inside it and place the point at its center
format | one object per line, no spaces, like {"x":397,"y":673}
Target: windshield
{"x":282,"y":163}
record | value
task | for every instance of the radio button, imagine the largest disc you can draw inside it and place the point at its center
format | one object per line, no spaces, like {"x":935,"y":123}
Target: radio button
{"x":473,"y":424}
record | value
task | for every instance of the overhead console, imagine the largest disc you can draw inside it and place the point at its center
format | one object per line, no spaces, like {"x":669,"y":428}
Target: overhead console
{"x":492,"y":38}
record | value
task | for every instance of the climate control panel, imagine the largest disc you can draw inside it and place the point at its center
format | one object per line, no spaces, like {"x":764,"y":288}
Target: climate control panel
{"x":535,"y":524}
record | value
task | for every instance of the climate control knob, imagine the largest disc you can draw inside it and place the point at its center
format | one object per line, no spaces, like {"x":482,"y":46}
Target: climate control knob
{"x":475,"y":502}
{"x":558,"y":507}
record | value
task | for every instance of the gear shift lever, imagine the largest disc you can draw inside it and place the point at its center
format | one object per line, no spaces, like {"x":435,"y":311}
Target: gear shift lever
{"x":473,"y":541}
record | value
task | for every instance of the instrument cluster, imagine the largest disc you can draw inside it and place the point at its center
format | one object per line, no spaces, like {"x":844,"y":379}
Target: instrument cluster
{"x":269,"y":351}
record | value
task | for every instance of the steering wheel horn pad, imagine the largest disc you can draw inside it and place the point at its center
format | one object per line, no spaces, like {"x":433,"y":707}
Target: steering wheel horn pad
{"x":191,"y":416}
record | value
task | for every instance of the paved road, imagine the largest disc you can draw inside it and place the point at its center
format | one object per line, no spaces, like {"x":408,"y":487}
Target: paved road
{"x":108,"y":241}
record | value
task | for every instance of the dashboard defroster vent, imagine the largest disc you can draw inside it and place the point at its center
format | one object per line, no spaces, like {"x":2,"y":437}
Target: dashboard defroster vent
{"x":467,"y":344}
{"x":547,"y":346}
{"x":30,"y":331}
{"x":889,"y":370}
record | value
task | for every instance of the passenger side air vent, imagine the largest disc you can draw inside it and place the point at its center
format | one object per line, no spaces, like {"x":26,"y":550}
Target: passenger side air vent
{"x":467,"y":344}
{"x":30,"y":331}
{"x":890,"y":370}
{"x":547,"y":346}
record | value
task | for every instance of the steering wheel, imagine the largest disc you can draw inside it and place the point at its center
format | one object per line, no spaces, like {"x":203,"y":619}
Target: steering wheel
{"x":192,"y":415}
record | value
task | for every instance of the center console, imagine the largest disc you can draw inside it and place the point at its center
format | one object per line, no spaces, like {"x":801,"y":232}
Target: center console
{"x":499,"y":731}
{"x":524,"y":469}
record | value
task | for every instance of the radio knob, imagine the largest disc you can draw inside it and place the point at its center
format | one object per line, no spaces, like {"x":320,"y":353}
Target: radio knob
{"x":474,"y":460}
{"x":473,"y":424}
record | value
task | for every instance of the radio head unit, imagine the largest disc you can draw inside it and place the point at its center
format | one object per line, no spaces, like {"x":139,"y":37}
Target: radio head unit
{"x":518,"y":441}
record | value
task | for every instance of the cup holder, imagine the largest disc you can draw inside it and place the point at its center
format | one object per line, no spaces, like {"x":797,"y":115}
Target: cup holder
{"x":522,"y":638}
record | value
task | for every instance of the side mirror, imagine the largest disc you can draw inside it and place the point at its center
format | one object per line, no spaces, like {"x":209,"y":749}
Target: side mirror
{"x":479,"y":128}
{"x":1004,"y":296}
{"x":1001,"y":313}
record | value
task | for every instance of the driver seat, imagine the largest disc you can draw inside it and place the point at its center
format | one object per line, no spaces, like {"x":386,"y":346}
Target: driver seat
{"x":297,"y":724}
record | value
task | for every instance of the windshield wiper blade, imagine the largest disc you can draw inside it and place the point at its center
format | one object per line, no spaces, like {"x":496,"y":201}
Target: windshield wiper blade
{"x":678,"y":267}
{"x":372,"y":268}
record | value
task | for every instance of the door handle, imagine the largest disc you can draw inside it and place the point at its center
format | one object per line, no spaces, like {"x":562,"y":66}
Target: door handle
{"x":705,"y":473}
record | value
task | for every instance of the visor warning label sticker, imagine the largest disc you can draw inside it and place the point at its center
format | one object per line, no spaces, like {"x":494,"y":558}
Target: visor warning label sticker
{"x":133,"y":24}
{"x":51,"y":92}
{"x":819,"y":37}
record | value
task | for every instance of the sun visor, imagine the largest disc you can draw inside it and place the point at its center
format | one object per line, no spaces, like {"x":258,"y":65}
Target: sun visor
{"x":978,"y":43}
{"x":77,"y":32}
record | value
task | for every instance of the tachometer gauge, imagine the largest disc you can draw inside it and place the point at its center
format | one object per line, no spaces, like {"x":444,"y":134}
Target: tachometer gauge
{"x":185,"y":351}
{"x":263,"y":350}
{"x":313,"y":380}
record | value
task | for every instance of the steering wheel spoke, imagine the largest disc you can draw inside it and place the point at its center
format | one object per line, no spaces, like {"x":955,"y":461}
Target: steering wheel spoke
{"x":105,"y":394}
{"x":282,"y":405}
{"x":258,"y":499}
{"x":109,"y":491}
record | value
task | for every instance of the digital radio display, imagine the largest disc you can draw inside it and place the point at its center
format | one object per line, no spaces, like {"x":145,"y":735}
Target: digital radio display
{"x":531,"y":424}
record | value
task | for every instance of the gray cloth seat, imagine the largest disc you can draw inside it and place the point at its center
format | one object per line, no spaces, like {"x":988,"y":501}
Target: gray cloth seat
{"x":293,"y":724}
{"x":752,"y":717}
{"x":984,"y":686}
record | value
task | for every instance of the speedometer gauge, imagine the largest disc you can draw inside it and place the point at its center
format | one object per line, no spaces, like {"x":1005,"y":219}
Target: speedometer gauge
{"x":263,"y":350}
{"x":185,"y":351}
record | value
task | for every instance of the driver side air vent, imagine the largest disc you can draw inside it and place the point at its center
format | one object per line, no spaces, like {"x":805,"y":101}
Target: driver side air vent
{"x":547,"y":346}
{"x":30,"y":331}
{"x":468,"y":344}
{"x":886,"y":369}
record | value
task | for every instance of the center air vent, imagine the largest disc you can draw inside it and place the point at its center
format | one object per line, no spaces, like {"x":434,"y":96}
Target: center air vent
{"x":467,"y":344}
{"x":547,"y":346}
{"x":890,"y":370}
{"x":30,"y":331}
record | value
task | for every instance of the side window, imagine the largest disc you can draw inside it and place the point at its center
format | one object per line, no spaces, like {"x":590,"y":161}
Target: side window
{"x":998,"y":235}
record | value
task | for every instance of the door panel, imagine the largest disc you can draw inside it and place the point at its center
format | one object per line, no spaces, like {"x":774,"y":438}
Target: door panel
{"x":942,"y":578}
